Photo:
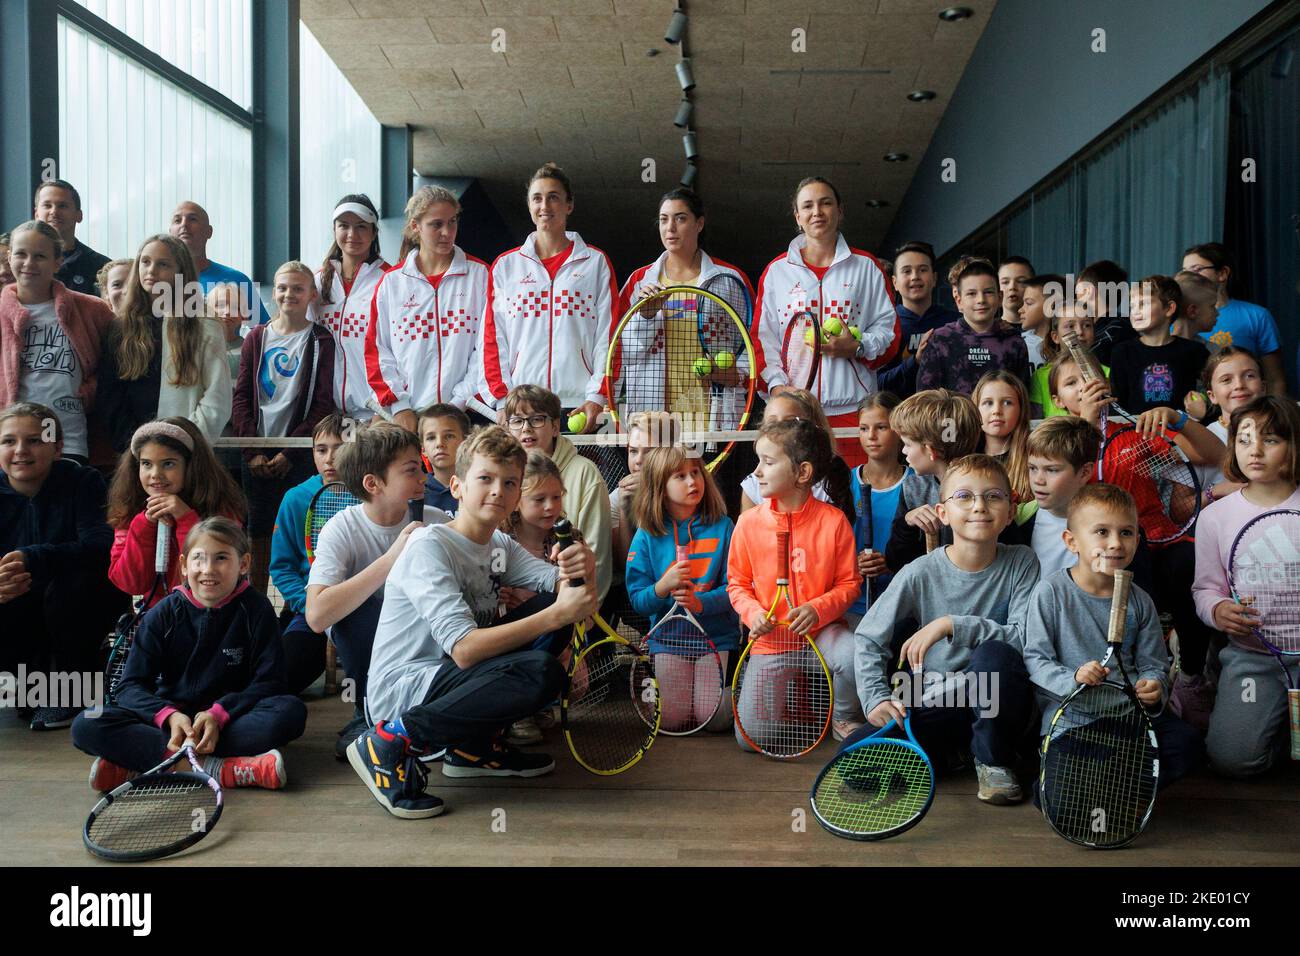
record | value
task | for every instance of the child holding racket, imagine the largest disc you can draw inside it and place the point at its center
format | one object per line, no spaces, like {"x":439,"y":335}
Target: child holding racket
{"x":679,"y":556}
{"x":877,"y":486}
{"x":1003,"y":404}
{"x":167,"y":483}
{"x":304,"y":649}
{"x":445,"y":673}
{"x":1191,"y":697}
{"x":55,"y":601}
{"x":358,"y":547}
{"x":206,"y":664}
{"x":972,"y":596}
{"x":1248,"y":733}
{"x":1156,"y":368}
{"x":645,"y":430}
{"x":1066,"y":321}
{"x":798,"y":404}
{"x":936,"y":427}
{"x":792,"y":457}
{"x":1068,"y":619}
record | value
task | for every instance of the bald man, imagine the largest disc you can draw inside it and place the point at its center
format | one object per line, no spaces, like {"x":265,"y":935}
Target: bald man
{"x":190,"y":224}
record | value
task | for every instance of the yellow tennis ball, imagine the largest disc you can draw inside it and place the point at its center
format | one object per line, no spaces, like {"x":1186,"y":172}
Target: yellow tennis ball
{"x":577,"y":421}
{"x":855,"y":332}
{"x":808,"y":337}
{"x":833,"y":326}
{"x":724,"y":360}
{"x":702,"y":366}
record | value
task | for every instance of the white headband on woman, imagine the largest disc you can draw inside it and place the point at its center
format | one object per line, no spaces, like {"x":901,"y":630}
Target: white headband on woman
{"x":150,"y":430}
{"x":355,"y":207}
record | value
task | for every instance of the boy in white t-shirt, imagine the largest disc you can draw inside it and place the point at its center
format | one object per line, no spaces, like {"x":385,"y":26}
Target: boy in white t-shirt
{"x":358,"y":547}
{"x":446,"y":676}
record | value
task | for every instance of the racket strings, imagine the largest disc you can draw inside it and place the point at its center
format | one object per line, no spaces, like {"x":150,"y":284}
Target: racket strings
{"x":689,"y":673}
{"x":783,"y":700}
{"x":1265,"y":570}
{"x":327,"y":504}
{"x":611,"y":709}
{"x":1099,"y":768}
{"x":800,"y":354}
{"x":874,"y":789}
{"x":1163,"y":484}
{"x":155,"y":814}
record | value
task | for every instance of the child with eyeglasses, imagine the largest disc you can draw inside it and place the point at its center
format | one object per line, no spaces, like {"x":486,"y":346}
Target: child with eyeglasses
{"x":961,"y":676}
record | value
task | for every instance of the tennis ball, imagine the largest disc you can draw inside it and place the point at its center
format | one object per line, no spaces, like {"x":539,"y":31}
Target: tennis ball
{"x":855,"y":332}
{"x":702,"y":366}
{"x":724,"y":360}
{"x":833,"y":326}
{"x":577,"y":421}
{"x":808,"y":337}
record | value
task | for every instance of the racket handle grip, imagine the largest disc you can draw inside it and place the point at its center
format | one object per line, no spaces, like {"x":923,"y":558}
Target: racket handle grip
{"x":162,"y":549}
{"x":415,"y":509}
{"x":931,"y":541}
{"x":1119,"y":607}
{"x":564,"y":534}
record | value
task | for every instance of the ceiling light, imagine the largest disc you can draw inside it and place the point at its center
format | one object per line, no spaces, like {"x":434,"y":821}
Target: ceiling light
{"x":676,"y":27}
{"x":688,"y":143}
{"x":920,"y":96}
{"x":688,"y":175}
{"x":896,"y":157}
{"x":683,"y":117}
{"x":877,"y":203}
{"x":953,"y":14}
{"x":685,"y":78}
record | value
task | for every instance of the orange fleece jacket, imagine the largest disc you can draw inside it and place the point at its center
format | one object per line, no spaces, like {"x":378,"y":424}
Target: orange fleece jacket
{"x":823,"y":561}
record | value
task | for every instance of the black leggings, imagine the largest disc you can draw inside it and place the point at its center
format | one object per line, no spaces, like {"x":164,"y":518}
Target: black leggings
{"x":1173,"y":568}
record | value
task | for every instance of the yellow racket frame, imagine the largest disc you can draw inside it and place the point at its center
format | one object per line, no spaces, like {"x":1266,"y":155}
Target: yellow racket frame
{"x":611,"y":641}
{"x":744,"y":338}
{"x":782,"y":591}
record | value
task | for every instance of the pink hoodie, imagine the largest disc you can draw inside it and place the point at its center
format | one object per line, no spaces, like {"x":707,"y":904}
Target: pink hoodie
{"x":84,"y":320}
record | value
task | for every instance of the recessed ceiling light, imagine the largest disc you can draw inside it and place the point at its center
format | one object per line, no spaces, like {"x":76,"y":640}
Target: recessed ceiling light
{"x":896,"y":157}
{"x":952,"y":14}
{"x":653,"y":51}
{"x":920,"y":96}
{"x":877,"y":203}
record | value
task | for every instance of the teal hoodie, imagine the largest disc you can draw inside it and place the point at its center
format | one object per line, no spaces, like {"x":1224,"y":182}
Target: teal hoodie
{"x":651,"y":555}
{"x":289,"y":564}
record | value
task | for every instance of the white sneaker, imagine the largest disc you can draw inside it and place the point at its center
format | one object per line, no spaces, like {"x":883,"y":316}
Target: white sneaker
{"x":524,"y":732}
{"x":998,"y":785}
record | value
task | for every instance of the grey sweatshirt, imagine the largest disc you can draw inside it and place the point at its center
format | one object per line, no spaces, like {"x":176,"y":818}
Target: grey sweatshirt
{"x":1067,"y":628}
{"x":988,"y":605}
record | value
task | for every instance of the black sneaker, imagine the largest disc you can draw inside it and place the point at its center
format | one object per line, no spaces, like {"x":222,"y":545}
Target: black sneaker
{"x":54,"y":718}
{"x":396,"y":779}
{"x":354,"y":729}
{"x":500,"y":761}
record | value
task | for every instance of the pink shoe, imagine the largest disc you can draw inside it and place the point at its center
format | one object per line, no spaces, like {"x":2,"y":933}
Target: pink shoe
{"x":265,"y":771}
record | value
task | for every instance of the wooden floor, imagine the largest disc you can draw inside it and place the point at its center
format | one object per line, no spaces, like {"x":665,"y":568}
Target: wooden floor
{"x":690,"y":801}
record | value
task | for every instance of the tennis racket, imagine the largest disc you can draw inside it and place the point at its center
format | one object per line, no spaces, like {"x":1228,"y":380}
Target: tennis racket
{"x":1153,"y":469}
{"x":691,"y":675}
{"x":782,"y":691}
{"x":1264,"y":572}
{"x":1100,"y":760}
{"x":801,"y":353}
{"x":124,"y":634}
{"x":869,"y":519}
{"x":686,"y":350}
{"x":875,"y":788}
{"x":931,"y":541}
{"x":610,"y":708}
{"x":325,"y":504}
{"x":1163,"y":483}
{"x":160,"y":812}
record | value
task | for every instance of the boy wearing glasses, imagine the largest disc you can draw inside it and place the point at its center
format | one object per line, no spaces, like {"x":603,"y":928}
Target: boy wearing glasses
{"x":532,"y":414}
{"x":962,"y":675}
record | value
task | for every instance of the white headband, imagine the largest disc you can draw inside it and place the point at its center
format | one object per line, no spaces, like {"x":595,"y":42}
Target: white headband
{"x":355,"y":207}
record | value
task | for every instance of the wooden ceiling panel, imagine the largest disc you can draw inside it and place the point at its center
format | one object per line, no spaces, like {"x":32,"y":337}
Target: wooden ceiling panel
{"x":575,"y":85}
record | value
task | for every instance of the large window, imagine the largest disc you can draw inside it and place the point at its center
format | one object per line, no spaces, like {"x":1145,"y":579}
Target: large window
{"x":208,"y":39}
{"x":135,"y":145}
{"x":340,"y":152}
